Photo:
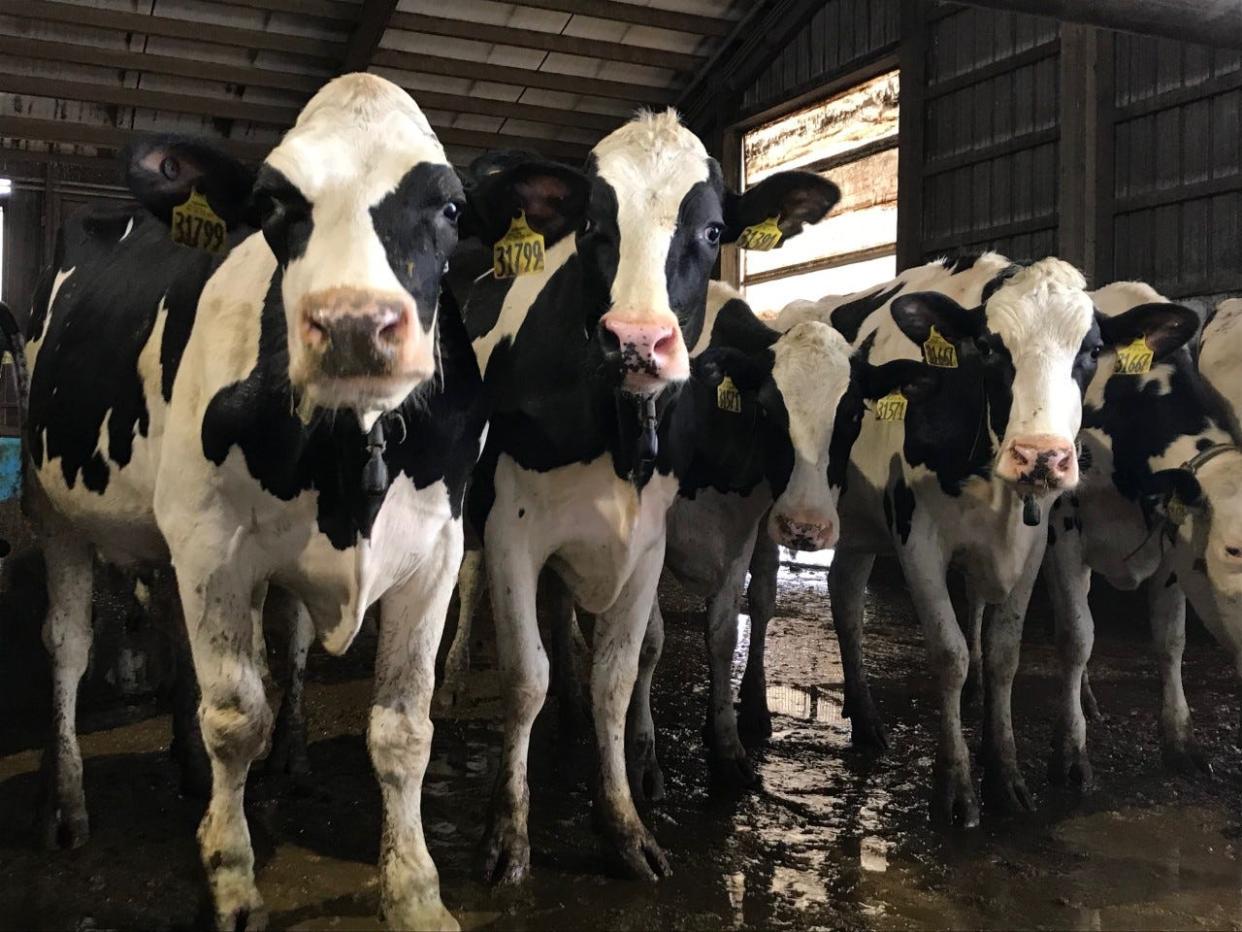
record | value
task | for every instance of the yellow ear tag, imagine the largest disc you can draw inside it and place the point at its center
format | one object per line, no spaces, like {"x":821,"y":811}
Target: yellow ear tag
{"x":518,"y":252}
{"x":892,"y":407}
{"x":196,"y":225}
{"x":1135,"y":358}
{"x":1175,"y":510}
{"x":728,"y":398}
{"x":939,"y":352}
{"x":762,"y":236}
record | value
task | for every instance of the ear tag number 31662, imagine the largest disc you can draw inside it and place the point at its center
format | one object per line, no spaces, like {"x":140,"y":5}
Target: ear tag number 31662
{"x":761,"y":236}
{"x":1134,"y":358}
{"x":892,"y":407}
{"x":939,"y":352}
{"x":728,"y":398}
{"x":519,"y":251}
{"x":196,"y":225}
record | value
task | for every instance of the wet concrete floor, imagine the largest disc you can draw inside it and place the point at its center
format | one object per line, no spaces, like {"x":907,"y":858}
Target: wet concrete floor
{"x":835,"y":838}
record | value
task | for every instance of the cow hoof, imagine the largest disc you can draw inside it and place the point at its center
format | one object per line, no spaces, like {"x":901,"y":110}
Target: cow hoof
{"x":754,"y":723}
{"x":505,"y":854}
{"x":239,"y":908}
{"x":430,"y":916}
{"x":242,"y":919}
{"x":1071,"y":767}
{"x":735,"y":773}
{"x":867,"y":731}
{"x":1004,"y":791}
{"x":953,"y":799}
{"x":1186,"y":759}
{"x":640,"y":856}
{"x":449,"y":698}
{"x":64,"y":830}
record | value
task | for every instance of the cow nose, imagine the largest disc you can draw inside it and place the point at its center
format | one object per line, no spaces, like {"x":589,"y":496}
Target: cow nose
{"x":649,"y":351}
{"x":804,"y":532}
{"x":1048,"y":461}
{"x":359,"y":339}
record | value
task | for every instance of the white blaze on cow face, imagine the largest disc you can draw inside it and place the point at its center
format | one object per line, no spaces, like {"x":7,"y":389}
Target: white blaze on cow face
{"x":1042,"y":315}
{"x":652,"y":164}
{"x":361,"y":212}
{"x":812,"y":373}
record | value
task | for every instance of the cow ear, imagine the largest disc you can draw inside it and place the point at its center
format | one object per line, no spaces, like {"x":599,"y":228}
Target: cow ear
{"x":1165,"y":327}
{"x":915,"y":380}
{"x":794,"y":198}
{"x":747,"y":372}
{"x":915,"y":314}
{"x":162,"y":172}
{"x":1171,"y":493}
{"x":552,"y":196}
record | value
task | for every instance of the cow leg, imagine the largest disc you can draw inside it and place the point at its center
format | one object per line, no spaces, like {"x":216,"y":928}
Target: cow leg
{"x":569,"y":657}
{"x":1090,"y":707}
{"x":949,"y":657}
{"x":1068,"y":579}
{"x":471,"y":587}
{"x":1003,"y":787}
{"x":754,"y":721}
{"x":512,"y":580}
{"x":236,"y":724}
{"x":646,"y":777}
{"x":67,"y":636}
{"x":847,"y":586}
{"x":619,"y":633}
{"x":399,"y":738}
{"x":288,"y":755}
{"x":187,"y":737}
{"x":728,"y":757}
{"x":975,"y":607}
{"x":1166,"y":605}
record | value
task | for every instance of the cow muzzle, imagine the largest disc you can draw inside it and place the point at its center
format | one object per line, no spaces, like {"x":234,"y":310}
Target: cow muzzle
{"x":803,"y":530}
{"x":1039,"y":463}
{"x":352,"y":334}
{"x":649,"y":350}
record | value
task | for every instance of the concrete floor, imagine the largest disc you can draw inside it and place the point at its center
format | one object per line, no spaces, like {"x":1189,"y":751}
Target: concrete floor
{"x":834,"y":838}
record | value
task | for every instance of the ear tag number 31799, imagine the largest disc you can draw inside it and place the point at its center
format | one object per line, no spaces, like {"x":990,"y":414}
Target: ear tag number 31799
{"x":892,"y":407}
{"x":519,"y":251}
{"x":1134,"y":358}
{"x":939,"y":352}
{"x":728,"y":398}
{"x":196,"y":225}
{"x":761,"y":236}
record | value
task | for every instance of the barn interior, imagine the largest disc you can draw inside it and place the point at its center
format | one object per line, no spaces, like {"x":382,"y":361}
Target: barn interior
{"x":1106,"y":133}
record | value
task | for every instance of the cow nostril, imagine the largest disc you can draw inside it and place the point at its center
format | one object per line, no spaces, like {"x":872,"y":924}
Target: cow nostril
{"x":665,"y":342}
{"x":1022,"y":455}
{"x":1234,"y":552}
{"x":316,"y":330}
{"x":390,"y":328}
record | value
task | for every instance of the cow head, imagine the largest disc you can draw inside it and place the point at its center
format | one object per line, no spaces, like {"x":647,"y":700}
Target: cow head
{"x":360,"y":207}
{"x":651,"y":218}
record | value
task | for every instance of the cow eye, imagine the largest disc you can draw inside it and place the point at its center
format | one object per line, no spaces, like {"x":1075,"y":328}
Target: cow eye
{"x":713,"y":232}
{"x":985,"y":348}
{"x":451,"y":212}
{"x":1095,"y":351}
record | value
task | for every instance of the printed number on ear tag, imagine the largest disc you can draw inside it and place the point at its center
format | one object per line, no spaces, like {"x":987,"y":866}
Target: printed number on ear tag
{"x":892,"y":407}
{"x":518,"y":252}
{"x":728,"y":398}
{"x":1175,"y":510}
{"x":196,"y":225}
{"x":939,"y":352}
{"x":762,"y":236}
{"x":1135,"y":358}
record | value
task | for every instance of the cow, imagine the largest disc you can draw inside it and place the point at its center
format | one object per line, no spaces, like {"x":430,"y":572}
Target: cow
{"x":962,"y":475}
{"x":586,"y":362}
{"x":1219,"y":351}
{"x":304,"y":410}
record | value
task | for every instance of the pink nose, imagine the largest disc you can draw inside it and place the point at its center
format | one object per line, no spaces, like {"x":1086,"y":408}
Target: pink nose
{"x":1046,"y":460}
{"x":804,"y":532}
{"x":645,"y":348}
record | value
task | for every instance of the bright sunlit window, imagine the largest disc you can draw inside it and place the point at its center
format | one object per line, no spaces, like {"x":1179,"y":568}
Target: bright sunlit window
{"x":852,"y":140}
{"x":6,"y":188}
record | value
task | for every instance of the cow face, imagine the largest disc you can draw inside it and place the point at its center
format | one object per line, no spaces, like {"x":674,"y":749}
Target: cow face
{"x":657,"y":215}
{"x":1031,"y":350}
{"x":360,"y":206}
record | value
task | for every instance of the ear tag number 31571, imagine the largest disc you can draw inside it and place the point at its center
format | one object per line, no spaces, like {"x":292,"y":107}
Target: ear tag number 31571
{"x":761,"y":236}
{"x":939,"y":352}
{"x":196,"y":225}
{"x":892,"y":407}
{"x":728,"y":398}
{"x":1134,"y":358}
{"x":519,"y":251}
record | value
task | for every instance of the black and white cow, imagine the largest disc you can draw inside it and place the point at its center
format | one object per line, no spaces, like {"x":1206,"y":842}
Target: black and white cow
{"x":586,"y":363}
{"x":1219,"y":351}
{"x":965,"y":479}
{"x":1159,"y":502}
{"x":304,"y":411}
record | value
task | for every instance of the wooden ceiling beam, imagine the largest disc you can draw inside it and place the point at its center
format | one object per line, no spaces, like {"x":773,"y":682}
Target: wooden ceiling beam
{"x":71,"y":14}
{"x":365,"y":39}
{"x":345,"y":14}
{"x":109,"y":137}
{"x":545,"y":41}
{"x":638,"y":15}
{"x":523,"y":77}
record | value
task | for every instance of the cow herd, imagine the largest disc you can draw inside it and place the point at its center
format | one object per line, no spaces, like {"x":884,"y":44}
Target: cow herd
{"x":308,"y":416}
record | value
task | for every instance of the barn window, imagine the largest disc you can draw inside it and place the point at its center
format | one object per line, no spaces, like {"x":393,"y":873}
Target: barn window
{"x":852,"y":139}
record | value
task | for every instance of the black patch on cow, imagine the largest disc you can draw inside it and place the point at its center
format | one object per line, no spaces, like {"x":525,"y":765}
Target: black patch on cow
{"x":1200,"y":565}
{"x":103,"y":316}
{"x":1203,"y":443}
{"x":958,"y":264}
{"x":903,"y":510}
{"x":437,"y":441}
{"x":286,"y":214}
{"x":1052,"y":535}
{"x":999,"y":279}
{"x":1171,"y":581}
{"x":737,"y":326}
{"x":1069,"y":523}
{"x":848,"y":318}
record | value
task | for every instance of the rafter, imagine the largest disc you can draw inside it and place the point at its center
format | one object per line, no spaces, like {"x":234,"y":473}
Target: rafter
{"x":369,"y":30}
